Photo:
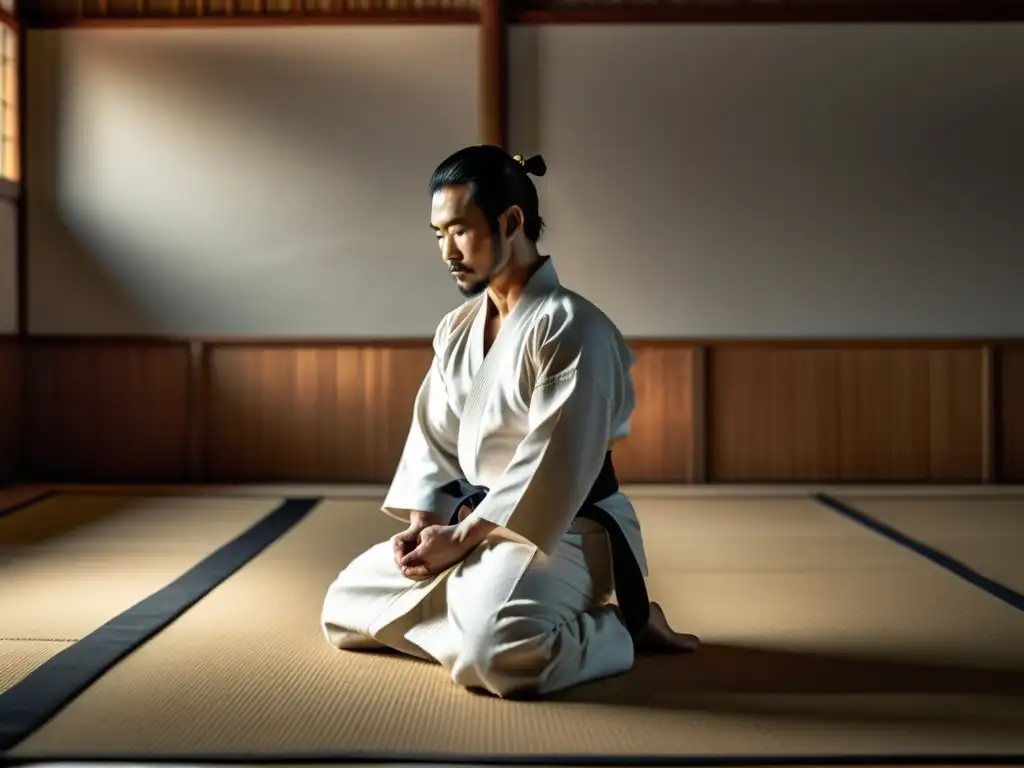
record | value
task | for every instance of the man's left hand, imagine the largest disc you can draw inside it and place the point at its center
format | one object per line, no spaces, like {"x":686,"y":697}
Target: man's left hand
{"x":440,"y":547}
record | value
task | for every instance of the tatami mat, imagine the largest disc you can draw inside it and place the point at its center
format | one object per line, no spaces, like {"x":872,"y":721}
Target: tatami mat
{"x":982,"y":532}
{"x":821,"y":639}
{"x":18,"y":657}
{"x":792,"y":573}
{"x":70,"y":563}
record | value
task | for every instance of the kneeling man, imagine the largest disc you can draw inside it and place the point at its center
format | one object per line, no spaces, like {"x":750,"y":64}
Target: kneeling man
{"x":518,"y":533}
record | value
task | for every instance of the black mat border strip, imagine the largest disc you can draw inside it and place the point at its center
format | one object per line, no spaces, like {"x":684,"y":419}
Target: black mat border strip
{"x":192,"y":493}
{"x":937,"y":496}
{"x":641,"y":761}
{"x":154,"y":493}
{"x":1000,"y":591}
{"x":48,"y":689}
{"x":31,"y":501}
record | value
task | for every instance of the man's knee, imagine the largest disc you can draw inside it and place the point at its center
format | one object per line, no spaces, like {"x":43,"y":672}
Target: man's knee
{"x":357,"y":593}
{"x":507,"y":655}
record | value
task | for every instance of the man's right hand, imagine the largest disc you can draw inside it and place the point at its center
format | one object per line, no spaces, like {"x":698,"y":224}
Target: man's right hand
{"x":406,"y":541}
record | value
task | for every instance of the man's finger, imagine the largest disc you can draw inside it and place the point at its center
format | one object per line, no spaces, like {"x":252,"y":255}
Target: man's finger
{"x":412,"y":558}
{"x":417,"y":572}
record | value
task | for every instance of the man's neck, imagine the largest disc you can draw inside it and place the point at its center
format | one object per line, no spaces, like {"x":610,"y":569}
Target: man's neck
{"x":506,"y":290}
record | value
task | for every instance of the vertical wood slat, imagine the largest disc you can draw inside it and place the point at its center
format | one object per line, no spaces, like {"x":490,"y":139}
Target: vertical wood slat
{"x":1010,"y":436}
{"x":989,"y":416}
{"x":699,"y":386}
{"x":196,"y":411}
{"x":10,"y":406}
{"x":494,"y":72}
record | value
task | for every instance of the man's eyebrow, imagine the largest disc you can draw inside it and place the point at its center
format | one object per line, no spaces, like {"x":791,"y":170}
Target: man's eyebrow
{"x":449,"y":223}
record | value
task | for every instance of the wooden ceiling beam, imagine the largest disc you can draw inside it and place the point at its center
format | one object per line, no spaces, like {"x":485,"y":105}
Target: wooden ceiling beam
{"x":492,"y":15}
{"x":778,"y":12}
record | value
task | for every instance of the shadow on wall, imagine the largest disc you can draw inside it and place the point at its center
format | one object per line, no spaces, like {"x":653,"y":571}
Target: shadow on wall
{"x":120,"y":226}
{"x":72,"y":255}
{"x":237,"y":188}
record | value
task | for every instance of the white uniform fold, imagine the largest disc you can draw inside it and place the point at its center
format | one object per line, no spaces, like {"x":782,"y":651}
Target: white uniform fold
{"x":531,"y":421}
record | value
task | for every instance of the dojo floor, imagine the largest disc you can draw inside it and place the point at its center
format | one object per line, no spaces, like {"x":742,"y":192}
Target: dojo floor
{"x":887,"y":626}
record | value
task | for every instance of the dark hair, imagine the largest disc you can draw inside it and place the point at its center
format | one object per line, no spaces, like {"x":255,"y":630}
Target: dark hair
{"x":496,"y":182}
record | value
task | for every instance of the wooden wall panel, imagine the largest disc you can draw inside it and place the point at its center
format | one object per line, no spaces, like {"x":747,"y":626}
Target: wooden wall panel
{"x":327,"y":413}
{"x":883,"y":415}
{"x":161,"y":411}
{"x":332,"y":413}
{"x":1010,"y":413}
{"x":106,"y":410}
{"x":911,"y":415}
{"x":10,"y":406}
{"x":659,"y":447}
{"x":773,"y":414}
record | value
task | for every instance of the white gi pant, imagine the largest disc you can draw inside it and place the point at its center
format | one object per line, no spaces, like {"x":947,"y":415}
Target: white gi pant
{"x":507,"y":619}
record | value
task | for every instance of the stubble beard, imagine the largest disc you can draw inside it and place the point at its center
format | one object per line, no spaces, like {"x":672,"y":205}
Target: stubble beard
{"x":483,"y":283}
{"x":475,"y":289}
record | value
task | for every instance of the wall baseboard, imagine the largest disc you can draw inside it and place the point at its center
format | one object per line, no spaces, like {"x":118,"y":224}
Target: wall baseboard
{"x":110,"y":409}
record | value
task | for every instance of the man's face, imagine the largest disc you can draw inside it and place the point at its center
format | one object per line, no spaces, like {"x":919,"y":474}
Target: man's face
{"x":466,"y":241}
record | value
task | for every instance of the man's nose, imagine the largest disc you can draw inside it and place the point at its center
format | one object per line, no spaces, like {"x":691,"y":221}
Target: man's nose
{"x":449,"y":252}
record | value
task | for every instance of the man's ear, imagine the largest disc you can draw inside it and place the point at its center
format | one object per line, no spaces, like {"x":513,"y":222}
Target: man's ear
{"x":513,"y":221}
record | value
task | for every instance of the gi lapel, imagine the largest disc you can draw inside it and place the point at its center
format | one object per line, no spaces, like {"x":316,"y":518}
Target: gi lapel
{"x":542,"y":283}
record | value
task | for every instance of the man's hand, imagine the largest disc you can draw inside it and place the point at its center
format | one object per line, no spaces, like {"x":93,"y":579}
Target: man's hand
{"x":441,"y":546}
{"x":406,"y":541}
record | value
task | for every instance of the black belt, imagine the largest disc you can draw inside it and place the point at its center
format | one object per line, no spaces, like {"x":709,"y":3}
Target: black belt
{"x":630,"y":588}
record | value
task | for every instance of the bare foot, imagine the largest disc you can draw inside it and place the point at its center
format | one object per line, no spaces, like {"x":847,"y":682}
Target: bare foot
{"x":659,"y":637}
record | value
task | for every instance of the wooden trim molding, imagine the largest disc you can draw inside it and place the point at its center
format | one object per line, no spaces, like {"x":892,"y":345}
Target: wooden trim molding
{"x":636,"y":342}
{"x":60,"y":13}
{"x":124,"y":409}
{"x":352,"y":18}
